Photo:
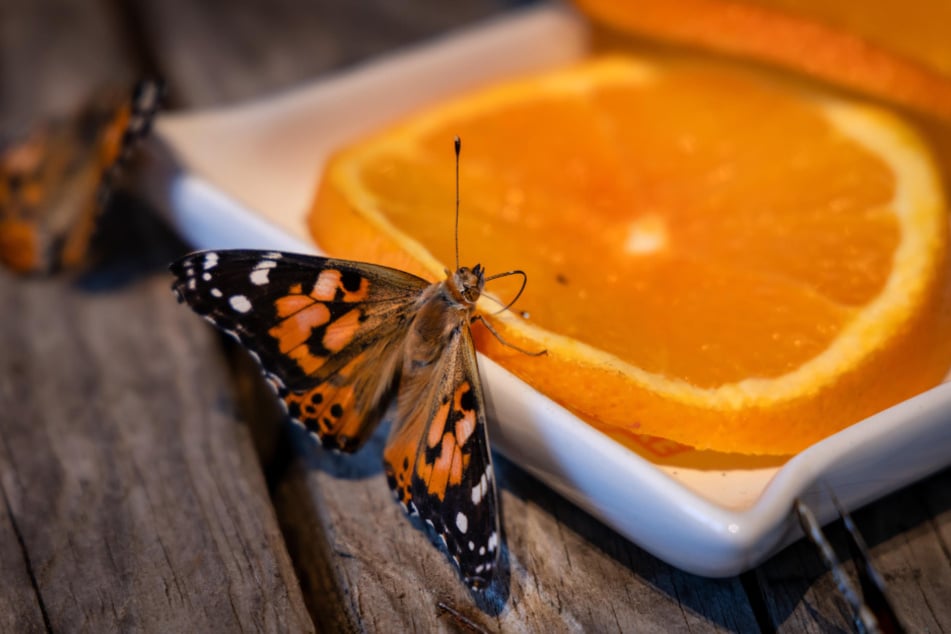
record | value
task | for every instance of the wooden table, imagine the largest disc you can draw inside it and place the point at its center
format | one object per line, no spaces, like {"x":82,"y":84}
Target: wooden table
{"x":148,"y":482}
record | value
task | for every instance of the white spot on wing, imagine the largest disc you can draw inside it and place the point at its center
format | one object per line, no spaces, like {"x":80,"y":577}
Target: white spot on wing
{"x":462,"y":522}
{"x":326,"y":283}
{"x":211,"y":261}
{"x":493,"y":541}
{"x":215,"y":292}
{"x":479,"y":490}
{"x":240,"y":303}
{"x":259,"y":276}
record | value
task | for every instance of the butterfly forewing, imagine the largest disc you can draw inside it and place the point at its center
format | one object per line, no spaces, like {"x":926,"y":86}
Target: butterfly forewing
{"x":437,"y":457}
{"x":326,"y":332}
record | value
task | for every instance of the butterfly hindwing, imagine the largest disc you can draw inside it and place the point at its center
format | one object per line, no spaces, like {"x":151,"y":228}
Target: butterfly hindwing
{"x":326,"y":332}
{"x":344,"y":410}
{"x":437,"y":458}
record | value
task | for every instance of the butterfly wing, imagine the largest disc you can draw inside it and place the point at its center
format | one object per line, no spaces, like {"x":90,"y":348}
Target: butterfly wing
{"x":437,"y":458}
{"x":328,"y":333}
{"x":55,"y":181}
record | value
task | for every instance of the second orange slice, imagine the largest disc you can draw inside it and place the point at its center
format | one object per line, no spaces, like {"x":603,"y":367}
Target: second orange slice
{"x":899,"y":52}
{"x":713,"y":257}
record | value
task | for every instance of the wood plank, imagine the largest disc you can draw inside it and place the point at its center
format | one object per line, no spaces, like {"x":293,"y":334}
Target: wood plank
{"x":53,"y":53}
{"x":133,"y":497}
{"x":212,"y":53}
{"x":908,"y":533}
{"x":135,"y":489}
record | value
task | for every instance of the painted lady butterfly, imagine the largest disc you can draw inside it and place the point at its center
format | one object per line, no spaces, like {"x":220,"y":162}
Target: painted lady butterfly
{"x":56,"y":179}
{"x":337,"y":339}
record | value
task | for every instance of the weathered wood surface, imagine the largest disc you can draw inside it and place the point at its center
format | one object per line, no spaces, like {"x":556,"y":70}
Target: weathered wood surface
{"x":132,"y":494}
{"x":133,"y":461}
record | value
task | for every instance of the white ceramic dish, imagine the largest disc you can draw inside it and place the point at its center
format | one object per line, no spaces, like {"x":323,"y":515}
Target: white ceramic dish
{"x":243,"y":177}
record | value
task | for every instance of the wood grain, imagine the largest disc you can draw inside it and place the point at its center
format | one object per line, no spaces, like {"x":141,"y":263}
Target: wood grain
{"x":216,"y":51}
{"x":53,"y":53}
{"x":21,"y":609}
{"x":133,"y":490}
{"x":132,"y":495}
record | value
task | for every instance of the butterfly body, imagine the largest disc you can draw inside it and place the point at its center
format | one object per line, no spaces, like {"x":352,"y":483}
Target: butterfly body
{"x":338,"y":340}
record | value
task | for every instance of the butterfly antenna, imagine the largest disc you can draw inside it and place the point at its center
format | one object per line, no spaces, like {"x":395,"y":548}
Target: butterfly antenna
{"x":457,"y":143}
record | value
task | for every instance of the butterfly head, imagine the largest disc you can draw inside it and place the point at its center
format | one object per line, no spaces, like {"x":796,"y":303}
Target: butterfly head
{"x":466,"y":284}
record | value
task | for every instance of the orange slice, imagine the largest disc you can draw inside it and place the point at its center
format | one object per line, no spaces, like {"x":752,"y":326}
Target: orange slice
{"x":896,"y":51}
{"x":713,"y":257}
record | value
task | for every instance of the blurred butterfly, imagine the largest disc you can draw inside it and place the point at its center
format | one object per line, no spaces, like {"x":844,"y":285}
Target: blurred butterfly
{"x":55,"y":180}
{"x":338,"y":339}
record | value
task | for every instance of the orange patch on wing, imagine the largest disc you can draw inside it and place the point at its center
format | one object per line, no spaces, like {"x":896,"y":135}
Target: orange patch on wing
{"x":467,"y":424}
{"x":295,"y":289}
{"x":308,"y":362}
{"x":360,"y":294}
{"x":459,"y":461}
{"x":437,"y":425}
{"x":33,"y":193}
{"x":395,"y":456}
{"x":447,"y":469}
{"x":325,"y":288}
{"x":111,"y":140}
{"x":349,"y":423}
{"x":18,"y":245}
{"x":329,"y":283}
{"x":337,"y":413}
{"x":326,"y":408}
{"x":290,"y":304}
{"x":341,"y":331}
{"x":403,"y":460}
{"x":295,"y":330}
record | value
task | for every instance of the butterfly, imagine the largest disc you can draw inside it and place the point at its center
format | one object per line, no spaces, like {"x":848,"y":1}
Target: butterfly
{"x":56,"y":179}
{"x":338,"y":340}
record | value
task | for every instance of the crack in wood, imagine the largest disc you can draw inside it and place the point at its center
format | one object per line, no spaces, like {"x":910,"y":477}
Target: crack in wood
{"x":27,"y":561}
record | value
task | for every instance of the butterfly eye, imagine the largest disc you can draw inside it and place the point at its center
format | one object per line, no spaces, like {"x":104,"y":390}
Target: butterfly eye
{"x":473,"y":283}
{"x":468,"y":283}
